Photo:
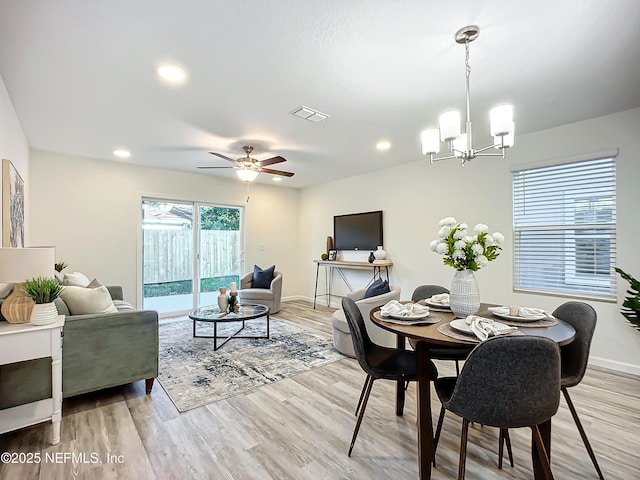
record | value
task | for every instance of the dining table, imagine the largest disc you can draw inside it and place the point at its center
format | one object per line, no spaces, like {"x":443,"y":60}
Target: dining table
{"x":428,"y":336}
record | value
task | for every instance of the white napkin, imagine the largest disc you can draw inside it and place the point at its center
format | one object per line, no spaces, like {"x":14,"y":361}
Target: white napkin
{"x":394,"y":307}
{"x":484,"y":328}
{"x":440,"y":299}
{"x":524,"y":312}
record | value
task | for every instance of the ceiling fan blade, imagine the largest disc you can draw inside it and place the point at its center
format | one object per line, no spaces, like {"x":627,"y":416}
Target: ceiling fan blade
{"x":215,"y":167}
{"x":271,"y":161}
{"x":223,"y":156}
{"x":276,"y":172}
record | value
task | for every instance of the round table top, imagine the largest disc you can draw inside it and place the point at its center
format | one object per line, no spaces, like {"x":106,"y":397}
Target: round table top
{"x":562,"y":334}
{"x":213,"y":314}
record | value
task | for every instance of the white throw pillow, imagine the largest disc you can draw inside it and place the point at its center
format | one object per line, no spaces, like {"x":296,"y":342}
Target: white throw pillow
{"x":83,"y":301}
{"x":75,"y":279}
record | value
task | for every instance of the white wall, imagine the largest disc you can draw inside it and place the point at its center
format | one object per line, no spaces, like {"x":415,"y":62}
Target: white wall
{"x":90,"y":210}
{"x":415,"y":196}
{"x":14,"y":147}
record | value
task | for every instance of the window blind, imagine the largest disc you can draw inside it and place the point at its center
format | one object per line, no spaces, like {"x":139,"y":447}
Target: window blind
{"x":564,"y":221}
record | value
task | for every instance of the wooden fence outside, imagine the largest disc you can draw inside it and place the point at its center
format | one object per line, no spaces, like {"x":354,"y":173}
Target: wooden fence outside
{"x":168,"y":254}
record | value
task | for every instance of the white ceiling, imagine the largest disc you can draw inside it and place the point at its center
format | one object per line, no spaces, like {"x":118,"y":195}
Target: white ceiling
{"x":82,"y":75}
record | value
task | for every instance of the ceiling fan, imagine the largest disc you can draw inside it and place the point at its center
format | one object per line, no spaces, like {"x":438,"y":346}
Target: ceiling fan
{"x":248,"y":168}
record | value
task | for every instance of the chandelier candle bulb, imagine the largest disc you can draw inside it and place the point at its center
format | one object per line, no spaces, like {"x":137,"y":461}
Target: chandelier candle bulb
{"x":449,"y":125}
{"x":501,"y":120}
{"x":430,"y":139}
{"x":460,"y":145}
{"x":505,"y":141}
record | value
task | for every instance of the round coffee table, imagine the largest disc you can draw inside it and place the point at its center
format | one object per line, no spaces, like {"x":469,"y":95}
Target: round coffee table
{"x":212,"y":314}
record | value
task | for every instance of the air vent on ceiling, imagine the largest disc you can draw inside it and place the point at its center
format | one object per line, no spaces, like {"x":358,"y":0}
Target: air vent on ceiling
{"x":309,"y":114}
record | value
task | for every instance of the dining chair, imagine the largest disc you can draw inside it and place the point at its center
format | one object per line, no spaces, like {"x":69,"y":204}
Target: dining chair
{"x":424,"y":292}
{"x":582,"y":317}
{"x":378,"y":362}
{"x":506,"y":382}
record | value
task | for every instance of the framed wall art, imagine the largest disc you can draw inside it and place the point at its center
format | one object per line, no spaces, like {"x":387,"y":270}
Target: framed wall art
{"x":12,"y":206}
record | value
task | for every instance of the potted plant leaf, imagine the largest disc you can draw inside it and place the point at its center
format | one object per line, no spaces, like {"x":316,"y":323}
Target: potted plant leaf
{"x":631,"y":305}
{"x":43,"y":291}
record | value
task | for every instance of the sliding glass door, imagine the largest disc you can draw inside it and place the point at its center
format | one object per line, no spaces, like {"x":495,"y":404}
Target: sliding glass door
{"x":219,"y":249}
{"x":189,"y":251}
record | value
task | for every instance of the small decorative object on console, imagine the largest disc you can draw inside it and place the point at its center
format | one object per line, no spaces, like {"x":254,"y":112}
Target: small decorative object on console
{"x":333,"y":255}
{"x":371,"y":257}
{"x":329,"y":243}
{"x":380,"y":254}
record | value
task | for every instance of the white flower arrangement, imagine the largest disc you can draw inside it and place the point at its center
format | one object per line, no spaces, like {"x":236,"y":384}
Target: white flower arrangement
{"x":463,"y":251}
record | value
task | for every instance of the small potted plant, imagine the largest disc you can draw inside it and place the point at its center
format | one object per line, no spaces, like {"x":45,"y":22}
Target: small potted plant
{"x":59,"y":266}
{"x":631,"y":305}
{"x":43,"y":291}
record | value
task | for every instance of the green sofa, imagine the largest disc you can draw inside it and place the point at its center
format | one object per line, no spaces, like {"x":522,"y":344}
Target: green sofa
{"x":99,"y":351}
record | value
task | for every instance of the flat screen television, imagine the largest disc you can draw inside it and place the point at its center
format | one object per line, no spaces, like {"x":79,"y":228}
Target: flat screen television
{"x":358,"y":231}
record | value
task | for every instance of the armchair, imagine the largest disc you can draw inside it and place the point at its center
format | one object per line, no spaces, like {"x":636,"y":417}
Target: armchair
{"x":269,"y":297}
{"x":342,"y":336}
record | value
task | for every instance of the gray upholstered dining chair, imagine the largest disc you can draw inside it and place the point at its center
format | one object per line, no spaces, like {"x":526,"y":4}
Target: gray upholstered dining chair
{"x":506,"y":382}
{"x":377,"y":361}
{"x":456,"y":354}
{"x":582,"y":317}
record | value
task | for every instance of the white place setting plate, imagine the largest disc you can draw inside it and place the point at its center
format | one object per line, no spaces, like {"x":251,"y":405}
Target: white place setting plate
{"x":517,"y":318}
{"x":437,"y":306}
{"x":461,"y":326}
{"x":410,"y":317}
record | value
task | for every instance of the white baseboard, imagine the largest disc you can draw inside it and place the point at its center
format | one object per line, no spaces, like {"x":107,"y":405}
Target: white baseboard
{"x":615,"y":365}
{"x":291,"y":298}
{"x":334,"y":303}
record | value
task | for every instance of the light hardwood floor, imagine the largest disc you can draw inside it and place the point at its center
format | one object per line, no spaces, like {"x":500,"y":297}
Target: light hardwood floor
{"x":300,"y":428}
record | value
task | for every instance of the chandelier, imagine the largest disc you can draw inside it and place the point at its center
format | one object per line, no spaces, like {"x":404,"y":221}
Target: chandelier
{"x":460,"y":145}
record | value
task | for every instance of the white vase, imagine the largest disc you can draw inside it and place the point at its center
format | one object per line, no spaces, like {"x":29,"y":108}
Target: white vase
{"x":223,"y":299}
{"x":44,"y":313}
{"x":380,"y":254}
{"x":464,"y":296}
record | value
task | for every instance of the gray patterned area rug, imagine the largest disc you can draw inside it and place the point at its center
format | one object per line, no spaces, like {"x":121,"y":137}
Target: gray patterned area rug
{"x":193,"y":374}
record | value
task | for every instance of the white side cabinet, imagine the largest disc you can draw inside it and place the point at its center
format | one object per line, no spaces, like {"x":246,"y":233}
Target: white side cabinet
{"x":24,"y":341}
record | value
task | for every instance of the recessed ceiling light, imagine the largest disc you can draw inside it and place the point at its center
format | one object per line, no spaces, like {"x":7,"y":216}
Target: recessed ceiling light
{"x":277,"y":179}
{"x":122,"y":153}
{"x":383,"y":145}
{"x":172,"y":73}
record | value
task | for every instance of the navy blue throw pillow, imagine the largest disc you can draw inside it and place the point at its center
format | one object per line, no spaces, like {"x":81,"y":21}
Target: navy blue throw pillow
{"x":377,"y":288}
{"x":262,"y":278}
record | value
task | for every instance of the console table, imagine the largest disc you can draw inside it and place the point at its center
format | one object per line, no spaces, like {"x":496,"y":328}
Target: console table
{"x":25,"y":341}
{"x":339,"y":266}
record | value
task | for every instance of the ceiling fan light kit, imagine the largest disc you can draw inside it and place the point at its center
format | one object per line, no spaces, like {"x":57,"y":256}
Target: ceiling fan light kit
{"x":247,"y":168}
{"x":460,"y":145}
{"x":247,"y":174}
